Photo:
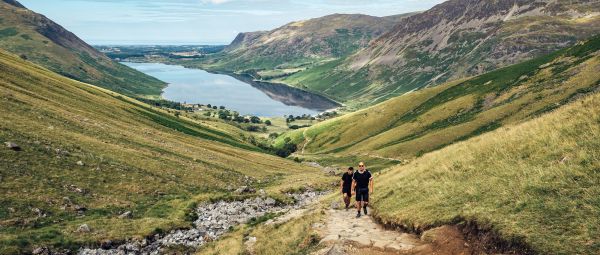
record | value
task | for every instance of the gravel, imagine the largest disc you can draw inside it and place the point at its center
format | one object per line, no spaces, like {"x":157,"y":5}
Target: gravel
{"x":214,"y":220}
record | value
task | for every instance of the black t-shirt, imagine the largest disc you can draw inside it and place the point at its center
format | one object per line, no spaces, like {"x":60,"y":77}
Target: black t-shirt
{"x":347,"y":180}
{"x":362,"y":180}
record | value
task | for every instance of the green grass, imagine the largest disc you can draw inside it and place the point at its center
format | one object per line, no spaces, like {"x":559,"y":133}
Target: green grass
{"x":429,"y":119}
{"x":8,"y":32}
{"x":136,"y":158}
{"x":416,"y":65}
{"x":295,"y":236}
{"x":66,"y":54}
{"x":532,"y":183}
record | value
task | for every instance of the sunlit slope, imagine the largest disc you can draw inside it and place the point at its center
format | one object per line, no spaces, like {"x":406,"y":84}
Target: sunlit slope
{"x":535,"y":183}
{"x":301,"y":43}
{"x":428,"y":119}
{"x":133,"y":158}
{"x":453,"y":40}
{"x":36,"y":38}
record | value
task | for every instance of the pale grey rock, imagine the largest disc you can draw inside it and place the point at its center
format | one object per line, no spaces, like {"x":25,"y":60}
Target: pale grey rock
{"x":214,"y":220}
{"x":84,"y":228}
{"x":12,"y":146}
{"x":126,"y":215}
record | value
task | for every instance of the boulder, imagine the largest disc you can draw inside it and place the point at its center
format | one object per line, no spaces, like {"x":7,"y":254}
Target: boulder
{"x":84,"y":228}
{"x":40,"y":251}
{"x":245,"y":189}
{"x":313,"y":164}
{"x":79,"y":208}
{"x":39,"y":212}
{"x":126,"y":215}
{"x":270,"y":202}
{"x":335,"y":205}
{"x":80,"y":163}
{"x":106,"y":244}
{"x":12,"y":146}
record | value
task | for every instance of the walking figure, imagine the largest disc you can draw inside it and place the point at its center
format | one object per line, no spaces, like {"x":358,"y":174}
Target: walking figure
{"x":346,"y":186}
{"x":362,"y":185}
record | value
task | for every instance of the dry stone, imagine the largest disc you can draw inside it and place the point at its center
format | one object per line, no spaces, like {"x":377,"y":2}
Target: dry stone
{"x":214,"y":220}
{"x":84,"y":228}
{"x":126,"y":215}
{"x":12,"y":146}
{"x":342,"y":229}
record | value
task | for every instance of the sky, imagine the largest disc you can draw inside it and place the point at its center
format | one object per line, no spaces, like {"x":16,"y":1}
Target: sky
{"x":198,"y":21}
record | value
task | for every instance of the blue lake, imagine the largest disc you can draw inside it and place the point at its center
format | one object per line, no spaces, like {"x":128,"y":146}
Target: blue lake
{"x":240,"y":94}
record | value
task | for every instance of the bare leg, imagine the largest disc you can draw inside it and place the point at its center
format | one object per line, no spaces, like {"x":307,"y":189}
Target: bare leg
{"x":346,"y":200}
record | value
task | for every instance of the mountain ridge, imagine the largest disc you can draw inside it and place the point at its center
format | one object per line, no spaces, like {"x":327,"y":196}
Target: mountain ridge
{"x":452,"y":40}
{"x":302,"y":43}
{"x":36,"y":38}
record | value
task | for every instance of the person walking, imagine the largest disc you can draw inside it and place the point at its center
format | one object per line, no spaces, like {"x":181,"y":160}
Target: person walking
{"x":346,"y":186}
{"x":362,"y":185}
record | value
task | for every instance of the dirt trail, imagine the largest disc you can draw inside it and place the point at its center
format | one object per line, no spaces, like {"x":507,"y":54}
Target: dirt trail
{"x":342,"y":233}
{"x":307,"y":140}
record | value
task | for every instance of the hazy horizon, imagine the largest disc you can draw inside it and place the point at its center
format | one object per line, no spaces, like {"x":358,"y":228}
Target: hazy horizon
{"x":197,"y":22}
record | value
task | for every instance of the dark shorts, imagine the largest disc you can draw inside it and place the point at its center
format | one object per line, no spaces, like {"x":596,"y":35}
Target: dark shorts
{"x":347,"y":191}
{"x":362,"y":195}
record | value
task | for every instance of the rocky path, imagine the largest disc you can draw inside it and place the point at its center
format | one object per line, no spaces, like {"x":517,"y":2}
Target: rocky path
{"x":342,"y":233}
{"x":214,"y":220}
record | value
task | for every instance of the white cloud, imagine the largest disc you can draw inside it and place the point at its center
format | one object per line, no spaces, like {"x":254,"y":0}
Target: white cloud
{"x":207,"y":20}
{"x":215,"y":1}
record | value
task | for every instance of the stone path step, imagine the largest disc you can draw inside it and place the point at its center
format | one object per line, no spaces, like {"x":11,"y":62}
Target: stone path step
{"x":343,"y":233}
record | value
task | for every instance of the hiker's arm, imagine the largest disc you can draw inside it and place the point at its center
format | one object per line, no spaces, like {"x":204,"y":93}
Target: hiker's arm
{"x":342,"y":186}
{"x":353,"y":186}
{"x":371,"y":185}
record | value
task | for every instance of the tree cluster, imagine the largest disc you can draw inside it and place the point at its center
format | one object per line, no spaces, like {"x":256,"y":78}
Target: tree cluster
{"x":292,"y":118}
{"x":287,"y":149}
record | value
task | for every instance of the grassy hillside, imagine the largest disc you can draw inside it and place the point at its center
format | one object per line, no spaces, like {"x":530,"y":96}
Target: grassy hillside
{"x":87,"y":155}
{"x":453,"y":40}
{"x":298,"y":45}
{"x":534,"y":183}
{"x":38,"y":39}
{"x":428,"y":119}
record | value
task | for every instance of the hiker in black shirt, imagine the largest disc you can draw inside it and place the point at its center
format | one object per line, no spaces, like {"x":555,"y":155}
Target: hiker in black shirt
{"x":346,"y":186}
{"x":362,"y":184}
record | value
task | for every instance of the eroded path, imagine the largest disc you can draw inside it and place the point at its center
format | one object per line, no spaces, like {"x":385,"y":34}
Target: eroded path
{"x":342,"y":233}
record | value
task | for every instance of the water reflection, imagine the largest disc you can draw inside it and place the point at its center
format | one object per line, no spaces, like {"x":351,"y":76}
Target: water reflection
{"x":261,"y":99}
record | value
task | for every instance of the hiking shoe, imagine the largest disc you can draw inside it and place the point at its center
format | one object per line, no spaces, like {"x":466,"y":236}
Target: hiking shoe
{"x":365,"y":210}
{"x":358,"y":215}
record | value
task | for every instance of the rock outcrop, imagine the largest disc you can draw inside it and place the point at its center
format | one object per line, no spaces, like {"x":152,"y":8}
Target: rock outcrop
{"x":214,"y":220}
